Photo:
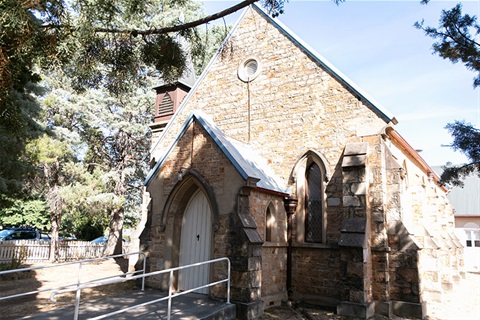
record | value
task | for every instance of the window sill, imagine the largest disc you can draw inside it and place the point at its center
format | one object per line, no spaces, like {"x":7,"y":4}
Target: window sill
{"x":314,"y":245}
{"x":275,"y":245}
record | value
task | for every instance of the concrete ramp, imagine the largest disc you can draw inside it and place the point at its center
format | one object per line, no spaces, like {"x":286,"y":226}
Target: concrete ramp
{"x":191,"y":306}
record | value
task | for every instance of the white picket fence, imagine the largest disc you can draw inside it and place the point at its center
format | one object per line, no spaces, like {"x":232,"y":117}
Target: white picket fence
{"x":29,"y":251}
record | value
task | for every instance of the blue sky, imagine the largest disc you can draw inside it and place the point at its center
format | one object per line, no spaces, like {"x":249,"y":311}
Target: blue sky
{"x":375,"y":44}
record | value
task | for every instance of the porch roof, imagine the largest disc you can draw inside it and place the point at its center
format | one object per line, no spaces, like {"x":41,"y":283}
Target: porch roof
{"x":247,"y":161}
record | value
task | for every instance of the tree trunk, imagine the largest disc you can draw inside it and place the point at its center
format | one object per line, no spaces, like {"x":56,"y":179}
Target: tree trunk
{"x":55,"y":205}
{"x":54,"y":238}
{"x":115,"y":243}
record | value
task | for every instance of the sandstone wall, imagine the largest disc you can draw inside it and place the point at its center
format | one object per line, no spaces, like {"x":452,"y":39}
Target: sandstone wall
{"x":295,"y":105}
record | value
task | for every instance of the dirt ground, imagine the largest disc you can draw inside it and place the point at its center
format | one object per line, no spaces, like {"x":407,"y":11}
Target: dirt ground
{"x":54,"y":277}
{"x":463,"y":303}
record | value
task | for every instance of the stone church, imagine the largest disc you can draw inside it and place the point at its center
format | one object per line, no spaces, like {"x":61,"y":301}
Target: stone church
{"x":276,"y":160}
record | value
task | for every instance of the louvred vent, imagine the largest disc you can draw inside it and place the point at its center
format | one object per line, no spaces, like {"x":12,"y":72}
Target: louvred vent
{"x":166,"y":106}
{"x":251,"y":68}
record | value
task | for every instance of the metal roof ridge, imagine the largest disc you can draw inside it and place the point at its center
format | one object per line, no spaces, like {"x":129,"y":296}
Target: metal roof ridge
{"x":327,"y":65}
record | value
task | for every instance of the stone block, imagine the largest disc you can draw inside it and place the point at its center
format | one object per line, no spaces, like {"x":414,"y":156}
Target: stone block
{"x":249,"y":311}
{"x":352,"y":240}
{"x":359,"y":188}
{"x":333,"y":202}
{"x":254,"y":279}
{"x":377,"y":216}
{"x":351,"y":201}
{"x":253,"y":236}
{"x":254,"y":263}
{"x":356,"y":148}
{"x":384,"y":308}
{"x":247,"y":220}
{"x":447,"y":286}
{"x":357,"y":310}
{"x":409,"y":309}
{"x":354,"y":161}
{"x":354,"y":225}
{"x":254,"y":250}
{"x":350,"y":175}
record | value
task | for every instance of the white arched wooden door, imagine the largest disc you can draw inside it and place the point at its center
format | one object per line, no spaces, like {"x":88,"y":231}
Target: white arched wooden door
{"x":195,"y":243}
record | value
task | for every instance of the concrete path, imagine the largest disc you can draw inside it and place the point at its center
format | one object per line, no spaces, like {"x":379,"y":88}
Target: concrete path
{"x":462,"y":303}
{"x":190,"y":306}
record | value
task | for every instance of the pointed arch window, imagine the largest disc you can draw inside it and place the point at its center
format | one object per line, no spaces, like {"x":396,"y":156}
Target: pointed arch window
{"x":311,"y":175}
{"x":269,"y":224}
{"x":313,"y":203}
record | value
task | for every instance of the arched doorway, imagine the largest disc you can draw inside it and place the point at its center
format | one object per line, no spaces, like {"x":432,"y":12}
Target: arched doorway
{"x":195,"y":243}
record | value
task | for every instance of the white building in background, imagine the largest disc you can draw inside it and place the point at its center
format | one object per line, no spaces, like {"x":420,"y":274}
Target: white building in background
{"x":466,"y":202}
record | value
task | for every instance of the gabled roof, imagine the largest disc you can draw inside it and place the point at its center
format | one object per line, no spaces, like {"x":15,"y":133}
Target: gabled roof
{"x":245,"y":159}
{"x":334,"y":72}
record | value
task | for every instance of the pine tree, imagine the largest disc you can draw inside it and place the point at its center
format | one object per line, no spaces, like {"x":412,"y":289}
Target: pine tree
{"x":458,"y":41}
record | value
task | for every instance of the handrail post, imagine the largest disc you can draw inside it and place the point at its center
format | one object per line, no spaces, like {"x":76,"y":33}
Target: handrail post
{"x":77,"y":294}
{"x":144,"y":269}
{"x":170,"y":283}
{"x":228,"y":282}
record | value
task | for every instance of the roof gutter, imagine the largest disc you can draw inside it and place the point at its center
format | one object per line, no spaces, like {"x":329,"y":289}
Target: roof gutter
{"x":402,"y":143}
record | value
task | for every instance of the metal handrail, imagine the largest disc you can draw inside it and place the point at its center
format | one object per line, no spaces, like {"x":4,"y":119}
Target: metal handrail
{"x":170,"y":296}
{"x":79,"y":282}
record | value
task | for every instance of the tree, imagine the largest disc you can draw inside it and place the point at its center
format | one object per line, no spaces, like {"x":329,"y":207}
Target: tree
{"x":51,"y":154}
{"x":457,"y":37}
{"x":98,"y":43}
{"x":113,"y":135}
{"x":466,"y":140}
{"x":31,"y":213}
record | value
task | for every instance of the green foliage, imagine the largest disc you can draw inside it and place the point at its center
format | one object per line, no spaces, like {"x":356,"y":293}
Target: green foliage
{"x":457,"y":39}
{"x":209,"y":41}
{"x":22,"y":43}
{"x":84,"y":226}
{"x":114,"y":45}
{"x":18,"y":212}
{"x":86,"y":150}
{"x":111,"y":138}
{"x":17,"y":127}
{"x":467,"y":140}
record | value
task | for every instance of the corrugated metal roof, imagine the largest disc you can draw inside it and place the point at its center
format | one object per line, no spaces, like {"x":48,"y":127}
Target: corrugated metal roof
{"x":247,"y":161}
{"x":466,"y":200}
